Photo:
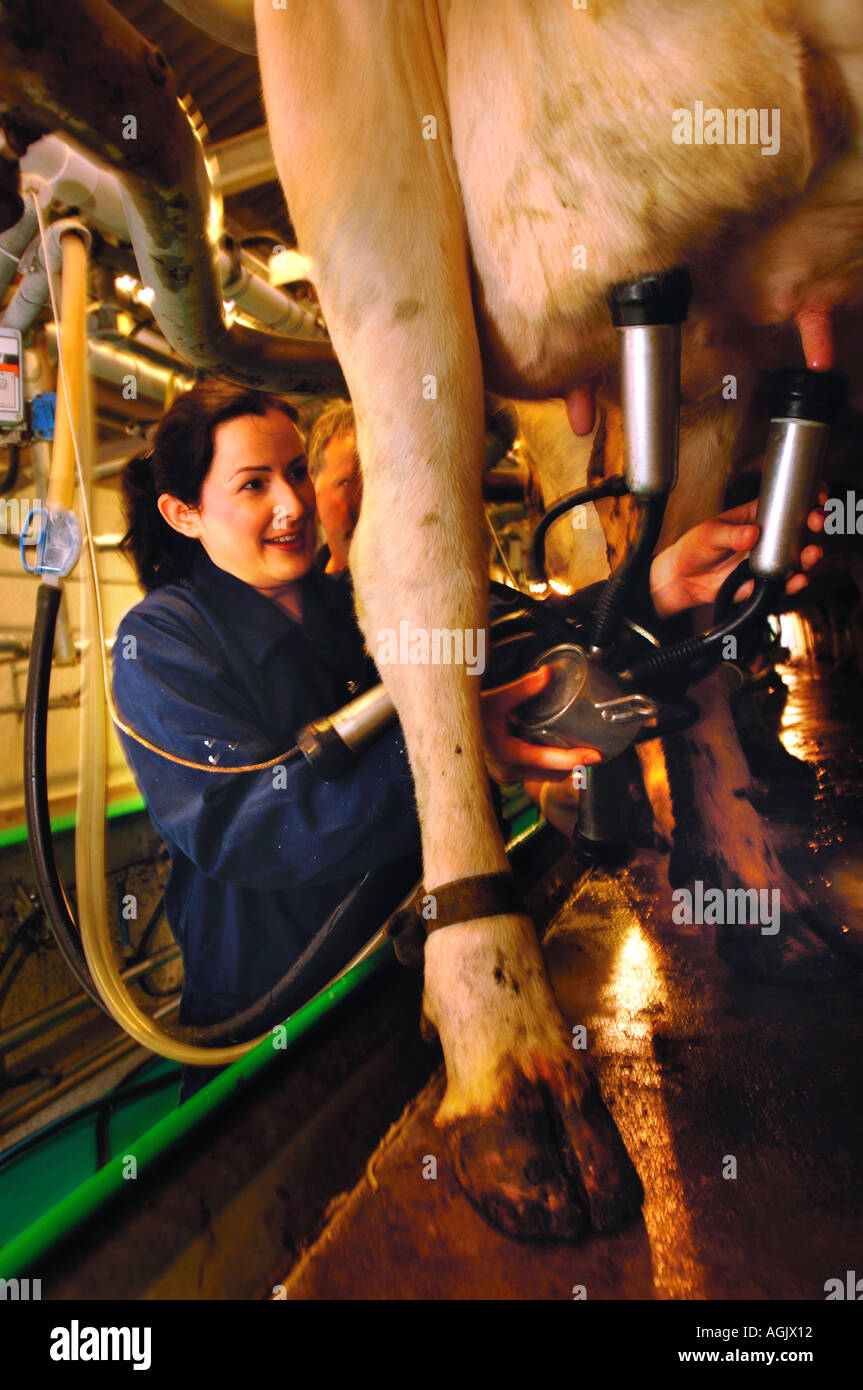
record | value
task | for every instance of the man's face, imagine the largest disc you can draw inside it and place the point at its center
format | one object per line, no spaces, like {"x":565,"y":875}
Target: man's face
{"x":338,"y":489}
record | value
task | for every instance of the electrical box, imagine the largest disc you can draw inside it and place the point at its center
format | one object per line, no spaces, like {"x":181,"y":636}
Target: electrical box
{"x":11,"y":381}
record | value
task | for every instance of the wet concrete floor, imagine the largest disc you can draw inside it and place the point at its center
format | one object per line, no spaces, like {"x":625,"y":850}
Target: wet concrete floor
{"x":739,"y":1101}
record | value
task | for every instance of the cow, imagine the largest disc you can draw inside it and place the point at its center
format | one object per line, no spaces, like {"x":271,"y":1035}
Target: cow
{"x":468,"y":179}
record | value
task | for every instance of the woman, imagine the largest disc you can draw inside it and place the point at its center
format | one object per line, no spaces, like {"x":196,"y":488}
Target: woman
{"x":240,"y":642}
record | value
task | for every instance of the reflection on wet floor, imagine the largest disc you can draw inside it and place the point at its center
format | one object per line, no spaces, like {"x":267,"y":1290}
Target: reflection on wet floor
{"x":739,"y":1101}
{"x":823,"y":724}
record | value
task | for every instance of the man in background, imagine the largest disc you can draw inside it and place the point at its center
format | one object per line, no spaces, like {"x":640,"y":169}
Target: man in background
{"x":335,"y":468}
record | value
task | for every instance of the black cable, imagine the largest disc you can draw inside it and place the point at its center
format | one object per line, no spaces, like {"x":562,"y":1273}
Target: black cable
{"x":10,"y":477}
{"x":614,"y":486}
{"x":612,"y":601}
{"x":141,"y":949}
{"x":557,"y":627}
{"x":20,"y":931}
{"x":51,"y":891}
{"x":30,"y":1141}
{"x":724,"y":601}
{"x":708,"y":645}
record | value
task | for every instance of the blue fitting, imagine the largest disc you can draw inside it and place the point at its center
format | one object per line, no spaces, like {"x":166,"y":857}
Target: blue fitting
{"x":43,"y":406}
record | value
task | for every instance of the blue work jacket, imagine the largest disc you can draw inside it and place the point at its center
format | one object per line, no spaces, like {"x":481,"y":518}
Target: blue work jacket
{"x":219,"y":674}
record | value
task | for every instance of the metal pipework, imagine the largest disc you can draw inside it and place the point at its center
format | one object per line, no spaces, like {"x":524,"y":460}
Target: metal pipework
{"x":114,"y":365}
{"x":13,"y":242}
{"x":82,"y":68}
{"x":648,"y":313}
{"x":71,"y":177}
{"x":31,"y":292}
{"x":796,"y":445}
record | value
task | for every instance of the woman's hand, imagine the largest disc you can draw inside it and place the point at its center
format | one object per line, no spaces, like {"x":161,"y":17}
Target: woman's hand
{"x":693,"y":570}
{"x":511,"y":759}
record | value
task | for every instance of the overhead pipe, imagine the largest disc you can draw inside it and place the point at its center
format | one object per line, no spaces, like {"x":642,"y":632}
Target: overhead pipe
{"x":109,"y":323}
{"x":114,"y":365}
{"x":244,"y":161}
{"x":82,"y":68}
{"x":13,"y":242}
{"x":31,"y":293}
{"x":96,"y":192}
{"x":245,"y":280}
{"x":77,"y":181}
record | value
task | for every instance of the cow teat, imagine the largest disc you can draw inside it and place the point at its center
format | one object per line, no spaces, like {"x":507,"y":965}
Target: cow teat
{"x":816,"y":336}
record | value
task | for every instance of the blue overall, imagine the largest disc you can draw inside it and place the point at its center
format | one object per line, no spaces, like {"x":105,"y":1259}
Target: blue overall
{"x":212,"y":671}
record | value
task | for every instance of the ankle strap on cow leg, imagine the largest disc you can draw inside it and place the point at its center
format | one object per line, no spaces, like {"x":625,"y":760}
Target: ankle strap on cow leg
{"x":462,"y":900}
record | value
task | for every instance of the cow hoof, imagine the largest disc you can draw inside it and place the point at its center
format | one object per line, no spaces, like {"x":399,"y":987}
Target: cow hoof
{"x":547,"y":1167}
{"x":509,"y":1169}
{"x":596,"y":1158}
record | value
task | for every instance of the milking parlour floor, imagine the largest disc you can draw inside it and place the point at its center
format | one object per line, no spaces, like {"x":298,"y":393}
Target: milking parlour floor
{"x":707,"y":1074}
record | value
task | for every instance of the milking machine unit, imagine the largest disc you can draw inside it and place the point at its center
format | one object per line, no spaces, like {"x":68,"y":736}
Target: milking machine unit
{"x":613,"y":682}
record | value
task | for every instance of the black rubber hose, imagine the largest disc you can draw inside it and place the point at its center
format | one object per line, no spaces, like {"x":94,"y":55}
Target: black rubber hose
{"x":553,"y":624}
{"x":673,"y":660}
{"x":348,"y":928}
{"x":93,"y":1107}
{"x":10,"y":477}
{"x":610,"y":487}
{"x":724,"y":601}
{"x":51,"y":891}
{"x":612,"y":601}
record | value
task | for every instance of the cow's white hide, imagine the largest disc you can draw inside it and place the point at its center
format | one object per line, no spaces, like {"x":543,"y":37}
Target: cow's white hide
{"x":467,"y":179}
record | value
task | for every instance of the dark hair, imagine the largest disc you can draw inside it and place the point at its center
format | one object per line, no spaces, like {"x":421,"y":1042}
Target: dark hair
{"x":178,"y":463}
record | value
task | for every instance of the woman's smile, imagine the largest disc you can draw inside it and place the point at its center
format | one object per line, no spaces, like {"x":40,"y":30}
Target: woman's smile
{"x":294,"y":542}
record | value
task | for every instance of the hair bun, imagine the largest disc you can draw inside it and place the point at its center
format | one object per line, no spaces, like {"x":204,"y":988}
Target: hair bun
{"x":139,"y":472}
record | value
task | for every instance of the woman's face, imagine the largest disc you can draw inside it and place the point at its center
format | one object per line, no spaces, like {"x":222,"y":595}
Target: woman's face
{"x":256,"y":517}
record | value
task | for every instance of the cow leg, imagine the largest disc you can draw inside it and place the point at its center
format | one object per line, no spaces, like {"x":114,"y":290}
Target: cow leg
{"x":718,"y":836}
{"x":377,"y":208}
{"x":721,"y":840}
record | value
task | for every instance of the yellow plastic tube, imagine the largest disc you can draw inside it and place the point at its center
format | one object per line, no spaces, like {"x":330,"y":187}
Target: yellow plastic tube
{"x":74,"y":337}
{"x":76,"y":423}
